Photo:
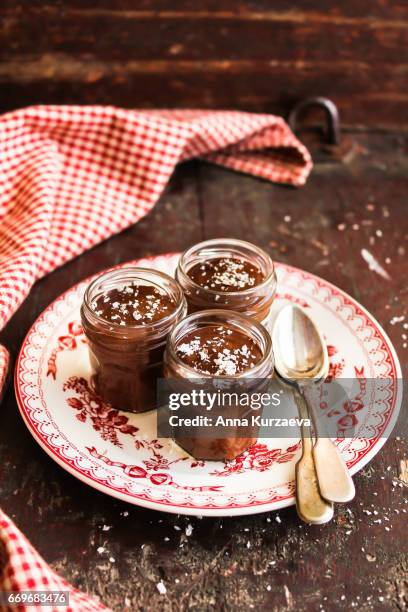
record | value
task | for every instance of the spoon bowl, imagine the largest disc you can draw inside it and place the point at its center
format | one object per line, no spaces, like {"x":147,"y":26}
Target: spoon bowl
{"x":300,"y":352}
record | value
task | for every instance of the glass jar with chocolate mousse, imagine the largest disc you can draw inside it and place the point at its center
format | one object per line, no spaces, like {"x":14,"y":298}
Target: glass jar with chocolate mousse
{"x":221,"y":352}
{"x":229,"y":274}
{"x":127,"y":315}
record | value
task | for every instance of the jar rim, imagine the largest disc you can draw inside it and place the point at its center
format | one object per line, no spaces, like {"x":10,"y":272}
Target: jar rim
{"x":230,"y":316}
{"x":140,"y":273}
{"x":227,"y":242}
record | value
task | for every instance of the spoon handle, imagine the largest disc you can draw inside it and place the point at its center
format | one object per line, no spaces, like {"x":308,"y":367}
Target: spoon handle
{"x":310,"y":505}
{"x":335,"y":482}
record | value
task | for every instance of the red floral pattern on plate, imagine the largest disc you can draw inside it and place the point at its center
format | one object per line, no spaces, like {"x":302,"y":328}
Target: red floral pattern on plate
{"x":104,"y":418}
{"x":136,"y":471}
{"x":109,"y":422}
{"x":69,"y":342}
{"x":258,"y":458}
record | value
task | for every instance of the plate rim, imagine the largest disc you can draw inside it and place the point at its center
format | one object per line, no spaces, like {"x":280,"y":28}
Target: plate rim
{"x":253,"y":508}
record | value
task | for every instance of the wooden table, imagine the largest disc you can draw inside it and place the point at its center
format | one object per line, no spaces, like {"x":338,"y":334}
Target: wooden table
{"x":259,"y":562}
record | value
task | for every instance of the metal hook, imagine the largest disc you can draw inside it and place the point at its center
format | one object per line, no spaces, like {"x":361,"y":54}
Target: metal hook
{"x":332,"y":115}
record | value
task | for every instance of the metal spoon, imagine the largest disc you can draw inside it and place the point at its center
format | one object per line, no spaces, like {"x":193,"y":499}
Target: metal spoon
{"x":301,"y":356}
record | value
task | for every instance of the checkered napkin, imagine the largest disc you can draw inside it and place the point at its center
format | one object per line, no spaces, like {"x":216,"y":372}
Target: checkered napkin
{"x":22,"y":569}
{"x":73,"y":176}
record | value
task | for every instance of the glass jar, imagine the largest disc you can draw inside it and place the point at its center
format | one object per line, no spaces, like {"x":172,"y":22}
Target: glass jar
{"x":126,"y":360}
{"x":186,"y":379}
{"x":255,"y":301}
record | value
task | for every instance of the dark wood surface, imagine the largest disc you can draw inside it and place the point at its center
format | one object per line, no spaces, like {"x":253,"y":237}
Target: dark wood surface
{"x":258,"y":562}
{"x":255,"y":55}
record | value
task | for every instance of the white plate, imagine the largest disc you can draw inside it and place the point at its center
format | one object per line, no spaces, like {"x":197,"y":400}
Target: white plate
{"x":116,"y":452}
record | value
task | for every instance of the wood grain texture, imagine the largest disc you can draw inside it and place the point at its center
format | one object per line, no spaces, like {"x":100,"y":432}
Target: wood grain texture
{"x":361,"y":9}
{"x":183,"y":86}
{"x":355,"y":562}
{"x":247,"y":55}
{"x":206,"y":36}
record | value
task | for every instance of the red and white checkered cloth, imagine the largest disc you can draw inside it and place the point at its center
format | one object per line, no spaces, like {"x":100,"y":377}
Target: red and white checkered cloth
{"x":22,"y":569}
{"x":72,"y":176}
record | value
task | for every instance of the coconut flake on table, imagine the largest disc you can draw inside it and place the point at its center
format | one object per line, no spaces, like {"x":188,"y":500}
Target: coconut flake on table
{"x":374,"y":265}
{"x":189,"y":530}
{"x":396,"y":319}
{"x":160,"y":586}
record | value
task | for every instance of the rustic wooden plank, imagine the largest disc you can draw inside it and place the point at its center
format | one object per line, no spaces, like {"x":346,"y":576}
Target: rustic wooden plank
{"x":257,"y":9}
{"x":361,"y":96}
{"x":345,"y":78}
{"x":109,"y":37}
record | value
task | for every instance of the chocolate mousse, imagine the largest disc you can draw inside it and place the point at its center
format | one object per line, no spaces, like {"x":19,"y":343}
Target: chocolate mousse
{"x":219,"y":350}
{"x":133,"y":304}
{"x":226,"y":274}
{"x":127,"y":315}
{"x":215,"y":350}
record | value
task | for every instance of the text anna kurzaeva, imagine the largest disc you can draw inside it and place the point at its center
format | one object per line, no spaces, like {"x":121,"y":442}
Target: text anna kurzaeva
{"x":207,"y":401}
{"x":225,"y":412}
